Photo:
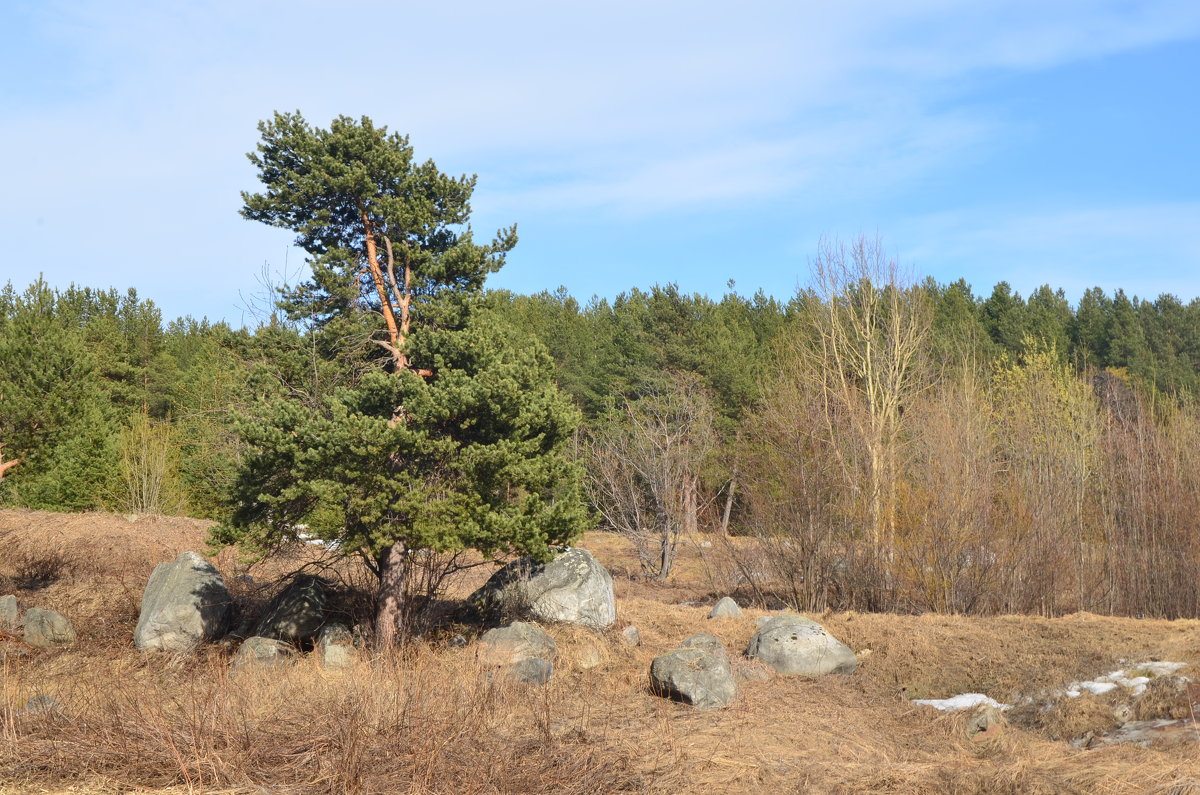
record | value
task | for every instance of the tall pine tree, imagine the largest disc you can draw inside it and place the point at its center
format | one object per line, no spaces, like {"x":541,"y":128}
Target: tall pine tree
{"x":459,"y":437}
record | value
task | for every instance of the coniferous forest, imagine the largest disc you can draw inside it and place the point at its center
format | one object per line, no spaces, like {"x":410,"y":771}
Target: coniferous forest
{"x":878,"y":445}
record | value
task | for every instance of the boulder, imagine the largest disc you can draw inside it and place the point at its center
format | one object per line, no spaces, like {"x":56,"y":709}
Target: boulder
{"x":259,"y":652}
{"x":725,"y":608}
{"x":46,"y":629}
{"x":297,"y":612}
{"x":793,"y":644}
{"x":572,"y":589}
{"x":522,"y":651}
{"x":184,"y":604}
{"x":335,"y":646}
{"x":693,"y":676}
{"x":518,"y":641}
{"x":10,"y":612}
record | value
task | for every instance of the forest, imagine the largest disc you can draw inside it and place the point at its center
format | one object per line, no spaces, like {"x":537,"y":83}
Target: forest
{"x":873,"y":443}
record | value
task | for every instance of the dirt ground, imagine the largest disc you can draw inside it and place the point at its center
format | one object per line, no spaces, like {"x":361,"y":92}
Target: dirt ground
{"x":136,"y":722}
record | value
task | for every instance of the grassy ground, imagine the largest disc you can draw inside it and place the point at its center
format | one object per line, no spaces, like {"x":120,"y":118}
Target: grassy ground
{"x":429,"y":719}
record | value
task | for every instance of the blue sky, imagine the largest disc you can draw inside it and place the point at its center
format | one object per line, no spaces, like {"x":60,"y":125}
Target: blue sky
{"x":632,"y":142}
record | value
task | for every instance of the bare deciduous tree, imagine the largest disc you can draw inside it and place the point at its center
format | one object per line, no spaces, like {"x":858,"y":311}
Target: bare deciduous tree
{"x":644,"y":468}
{"x":870,"y":326}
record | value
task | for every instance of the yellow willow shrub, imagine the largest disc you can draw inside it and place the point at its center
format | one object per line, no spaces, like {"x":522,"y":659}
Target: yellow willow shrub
{"x":1046,"y":430}
{"x":148,"y":472}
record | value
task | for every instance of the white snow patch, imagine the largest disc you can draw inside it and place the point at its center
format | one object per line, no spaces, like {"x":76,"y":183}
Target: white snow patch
{"x":1121,"y":678}
{"x":962,"y":701}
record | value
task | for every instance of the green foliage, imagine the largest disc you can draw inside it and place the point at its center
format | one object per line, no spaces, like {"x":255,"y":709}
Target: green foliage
{"x":52,"y":408}
{"x":461,"y":438}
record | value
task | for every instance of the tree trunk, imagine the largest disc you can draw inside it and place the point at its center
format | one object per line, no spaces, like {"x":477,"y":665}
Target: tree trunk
{"x":728,"y":505}
{"x":390,"y":601}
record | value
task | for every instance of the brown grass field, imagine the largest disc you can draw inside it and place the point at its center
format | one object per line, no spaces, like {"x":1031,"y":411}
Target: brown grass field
{"x":429,"y":719}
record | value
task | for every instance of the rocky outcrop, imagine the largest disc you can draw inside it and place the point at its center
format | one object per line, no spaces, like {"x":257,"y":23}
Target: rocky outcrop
{"x":185,"y":603}
{"x":725,"y":608}
{"x":572,"y":589}
{"x":793,"y":644}
{"x":297,"y":612}
{"x":46,"y":629}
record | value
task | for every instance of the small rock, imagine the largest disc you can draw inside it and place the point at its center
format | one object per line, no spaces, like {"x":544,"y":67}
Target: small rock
{"x":985,"y":719}
{"x":630,"y":636}
{"x":259,"y":652}
{"x":589,"y":656}
{"x":10,"y":612}
{"x":459,"y":641}
{"x":335,"y":646}
{"x":792,"y":644}
{"x":725,"y":608}
{"x":42,"y":704}
{"x":46,"y":629}
{"x":693,"y":676}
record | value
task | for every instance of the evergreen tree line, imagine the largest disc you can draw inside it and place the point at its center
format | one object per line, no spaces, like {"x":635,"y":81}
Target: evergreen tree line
{"x":867,"y":444}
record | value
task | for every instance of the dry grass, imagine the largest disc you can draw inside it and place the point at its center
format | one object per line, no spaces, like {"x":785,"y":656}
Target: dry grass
{"x":430,"y":719}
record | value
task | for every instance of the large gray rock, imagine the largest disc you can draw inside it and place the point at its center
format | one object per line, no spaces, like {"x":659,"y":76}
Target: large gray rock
{"x":335,"y":646}
{"x":573,"y":589}
{"x":793,"y":644}
{"x":46,"y":629}
{"x":10,"y":612}
{"x":259,"y":652}
{"x":185,"y":604}
{"x":518,"y":641}
{"x":725,"y":608}
{"x":694,"y":676}
{"x":297,"y":612}
{"x":523,"y":652}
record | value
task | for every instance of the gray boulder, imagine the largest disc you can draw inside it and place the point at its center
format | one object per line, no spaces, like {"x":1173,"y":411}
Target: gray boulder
{"x":793,"y":644}
{"x":518,"y":641}
{"x":725,"y":608}
{"x":10,"y":612}
{"x":297,"y":612}
{"x":522,"y":651}
{"x":259,"y":652}
{"x":335,"y":646}
{"x":46,"y":629}
{"x":572,"y":589}
{"x":693,"y":676}
{"x":185,"y":604}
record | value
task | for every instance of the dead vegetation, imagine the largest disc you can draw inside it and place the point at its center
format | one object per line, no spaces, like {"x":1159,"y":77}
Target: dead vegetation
{"x":429,"y":719}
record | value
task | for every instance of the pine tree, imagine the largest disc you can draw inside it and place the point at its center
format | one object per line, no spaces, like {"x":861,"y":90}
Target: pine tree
{"x":459,"y":438}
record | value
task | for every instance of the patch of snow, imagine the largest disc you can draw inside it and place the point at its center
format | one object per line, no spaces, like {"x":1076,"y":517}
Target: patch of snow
{"x":963,"y":701}
{"x":1111,"y":680}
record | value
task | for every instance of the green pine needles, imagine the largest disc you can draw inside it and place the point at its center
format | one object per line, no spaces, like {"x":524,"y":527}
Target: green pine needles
{"x":456,"y":437}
